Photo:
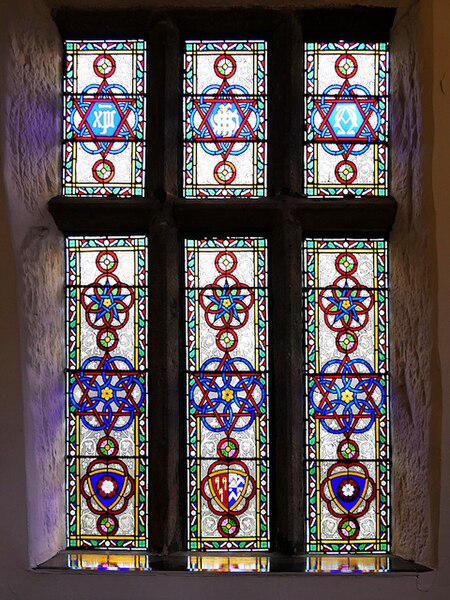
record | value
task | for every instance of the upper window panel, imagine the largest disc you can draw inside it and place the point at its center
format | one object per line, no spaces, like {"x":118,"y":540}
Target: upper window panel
{"x":346,"y":113}
{"x":225,"y":108}
{"x":104,"y":118}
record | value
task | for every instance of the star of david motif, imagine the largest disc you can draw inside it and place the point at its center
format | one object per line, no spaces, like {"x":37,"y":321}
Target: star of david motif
{"x":104,"y":397}
{"x":225,"y":119}
{"x":345,"y":117}
{"x":347,"y":396}
{"x":227,"y":394}
{"x":108,"y":302}
{"x":104,"y":118}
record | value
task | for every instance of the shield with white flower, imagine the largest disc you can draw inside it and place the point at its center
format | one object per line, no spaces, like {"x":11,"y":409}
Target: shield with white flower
{"x":348,"y":489}
{"x":107,"y":486}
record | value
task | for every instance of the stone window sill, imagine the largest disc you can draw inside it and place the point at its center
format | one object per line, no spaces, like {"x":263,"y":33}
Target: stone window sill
{"x":226,"y":563}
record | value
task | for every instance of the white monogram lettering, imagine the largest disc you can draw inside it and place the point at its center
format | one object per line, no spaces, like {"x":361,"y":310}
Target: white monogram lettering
{"x":104,"y":118}
{"x":346,"y":119}
{"x":226,"y":121}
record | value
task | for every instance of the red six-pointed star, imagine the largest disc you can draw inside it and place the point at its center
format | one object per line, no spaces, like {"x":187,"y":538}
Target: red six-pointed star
{"x":104,"y":95}
{"x":326,"y":109}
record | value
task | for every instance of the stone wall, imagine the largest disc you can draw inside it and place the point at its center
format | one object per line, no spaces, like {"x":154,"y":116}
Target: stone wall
{"x":414,"y":402}
{"x":31,"y":167}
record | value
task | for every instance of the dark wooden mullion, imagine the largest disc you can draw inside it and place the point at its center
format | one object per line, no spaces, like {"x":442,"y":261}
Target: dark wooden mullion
{"x":165,"y":420}
{"x":101,"y":24}
{"x":101,"y":216}
{"x":226,"y":23}
{"x":163,"y":111}
{"x":373,"y":215}
{"x":285,"y":116}
{"x":352,"y":23}
{"x":286,"y":406}
{"x":370,"y":216}
{"x":165,"y":425}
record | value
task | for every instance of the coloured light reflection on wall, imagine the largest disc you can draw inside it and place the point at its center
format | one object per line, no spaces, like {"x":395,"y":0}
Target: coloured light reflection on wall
{"x":225,"y":108}
{"x":107,"y":392}
{"x":346,"y":112}
{"x":347,"y":409}
{"x":226,"y":288}
{"x":104,"y":118}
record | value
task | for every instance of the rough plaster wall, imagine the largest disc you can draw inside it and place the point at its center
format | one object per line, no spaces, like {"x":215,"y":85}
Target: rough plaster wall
{"x":439,"y":168}
{"x":32,"y":148}
{"x":413,"y":401}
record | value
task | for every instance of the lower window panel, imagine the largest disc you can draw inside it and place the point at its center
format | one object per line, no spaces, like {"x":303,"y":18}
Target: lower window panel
{"x":347,"y":395}
{"x":107,"y":454}
{"x":227,"y":393}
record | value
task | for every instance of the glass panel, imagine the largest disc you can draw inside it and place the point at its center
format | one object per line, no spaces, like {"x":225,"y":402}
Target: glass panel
{"x":108,"y":562}
{"x":348,"y":564}
{"x":345,"y":301}
{"x":346,"y":112}
{"x":107,"y":392}
{"x":228,"y":564}
{"x":226,"y":288}
{"x":225,"y":108}
{"x":104,"y":118}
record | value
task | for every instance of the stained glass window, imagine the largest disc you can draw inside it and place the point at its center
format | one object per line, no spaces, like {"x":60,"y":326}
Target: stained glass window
{"x":347,"y":428}
{"x":107,"y":392}
{"x":225,"y":108}
{"x":104,"y":118}
{"x":226,"y":296}
{"x":346,"y":108}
